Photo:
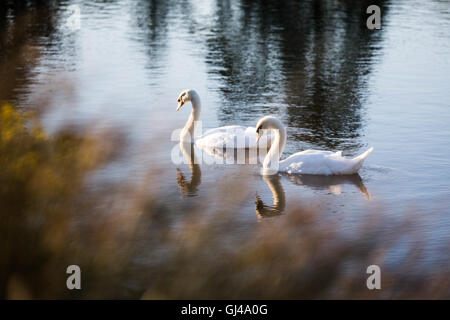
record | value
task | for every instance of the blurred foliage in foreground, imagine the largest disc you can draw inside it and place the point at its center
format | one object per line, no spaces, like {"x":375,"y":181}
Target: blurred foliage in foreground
{"x":129,"y":245}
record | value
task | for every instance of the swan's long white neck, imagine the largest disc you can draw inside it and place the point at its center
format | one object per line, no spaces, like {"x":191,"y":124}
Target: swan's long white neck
{"x":273,"y":156}
{"x":187,"y":134}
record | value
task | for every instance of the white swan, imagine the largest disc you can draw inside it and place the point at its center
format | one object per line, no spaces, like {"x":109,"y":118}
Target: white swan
{"x":305,"y":162}
{"x":236,"y":137}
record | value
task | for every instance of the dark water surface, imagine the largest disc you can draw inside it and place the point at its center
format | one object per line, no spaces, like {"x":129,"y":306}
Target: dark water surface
{"x":335,"y":84}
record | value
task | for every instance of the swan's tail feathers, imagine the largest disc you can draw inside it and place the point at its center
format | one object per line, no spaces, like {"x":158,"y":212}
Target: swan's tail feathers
{"x":364,"y":155}
{"x":359,"y":160}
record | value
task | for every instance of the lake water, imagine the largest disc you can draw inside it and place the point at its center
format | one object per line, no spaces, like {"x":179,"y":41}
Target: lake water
{"x":335,"y":84}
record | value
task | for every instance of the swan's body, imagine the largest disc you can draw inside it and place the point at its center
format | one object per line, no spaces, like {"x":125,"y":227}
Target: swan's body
{"x":322,"y":162}
{"x":236,"y":137}
{"x":308,"y":161}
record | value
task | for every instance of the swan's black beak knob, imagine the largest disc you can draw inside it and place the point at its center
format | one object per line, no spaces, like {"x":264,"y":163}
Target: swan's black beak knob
{"x":258,"y":137}
{"x":180,"y":104}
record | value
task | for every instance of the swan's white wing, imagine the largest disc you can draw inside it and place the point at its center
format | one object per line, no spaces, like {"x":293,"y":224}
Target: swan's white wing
{"x":322,"y":162}
{"x":235,"y":137}
{"x":308,"y":162}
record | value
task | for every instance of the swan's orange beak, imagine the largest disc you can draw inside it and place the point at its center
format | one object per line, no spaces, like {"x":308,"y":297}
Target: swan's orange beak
{"x":258,"y":137}
{"x":180,"y":104}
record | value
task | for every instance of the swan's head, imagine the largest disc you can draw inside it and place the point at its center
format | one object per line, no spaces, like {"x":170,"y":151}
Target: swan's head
{"x":185,"y":96}
{"x":267,"y":123}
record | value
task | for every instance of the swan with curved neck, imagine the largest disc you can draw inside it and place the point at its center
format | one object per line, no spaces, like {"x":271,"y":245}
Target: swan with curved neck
{"x":187,"y":133}
{"x":305,"y":162}
{"x":235,"y":137}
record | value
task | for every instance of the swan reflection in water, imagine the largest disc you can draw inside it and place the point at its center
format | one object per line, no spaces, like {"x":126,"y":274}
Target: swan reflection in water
{"x":235,"y":156}
{"x":332,"y":183}
{"x":279,"y":199}
{"x":189,"y":189}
